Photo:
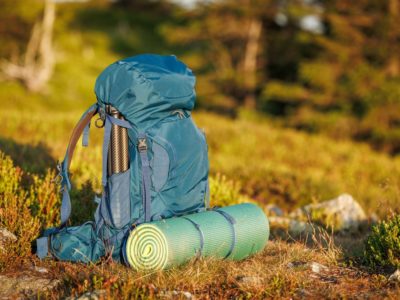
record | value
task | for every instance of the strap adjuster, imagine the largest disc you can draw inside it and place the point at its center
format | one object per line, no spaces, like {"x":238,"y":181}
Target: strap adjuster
{"x":142,"y":145}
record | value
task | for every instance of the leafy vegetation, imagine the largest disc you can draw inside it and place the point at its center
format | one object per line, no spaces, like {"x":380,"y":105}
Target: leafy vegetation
{"x":225,"y":192}
{"x":290,"y":116}
{"x":383,"y":245}
{"x":26,"y":209}
{"x":302,"y":77}
{"x":287,"y":167}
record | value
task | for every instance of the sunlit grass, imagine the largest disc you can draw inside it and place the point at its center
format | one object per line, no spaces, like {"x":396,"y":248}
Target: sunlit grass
{"x":270,"y":164}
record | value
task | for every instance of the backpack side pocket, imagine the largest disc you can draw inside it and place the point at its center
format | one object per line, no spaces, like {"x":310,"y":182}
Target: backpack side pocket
{"x":118,"y":199}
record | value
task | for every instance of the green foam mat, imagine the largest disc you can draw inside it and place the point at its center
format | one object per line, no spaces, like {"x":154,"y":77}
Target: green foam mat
{"x":233,"y":232}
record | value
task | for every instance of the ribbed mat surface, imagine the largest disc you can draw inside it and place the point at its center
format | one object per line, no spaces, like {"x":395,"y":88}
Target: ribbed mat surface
{"x":232,"y":232}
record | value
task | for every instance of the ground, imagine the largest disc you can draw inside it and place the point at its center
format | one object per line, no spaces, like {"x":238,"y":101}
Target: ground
{"x":252,"y":158}
{"x":285,"y":173}
{"x":282,"y":270}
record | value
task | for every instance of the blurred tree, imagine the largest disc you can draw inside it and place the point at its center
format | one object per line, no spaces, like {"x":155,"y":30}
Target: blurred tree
{"x":154,"y":6}
{"x":34,"y":67}
{"x":343,"y":72}
{"x":226,"y":40}
{"x":21,"y":16}
{"x":394,"y":37}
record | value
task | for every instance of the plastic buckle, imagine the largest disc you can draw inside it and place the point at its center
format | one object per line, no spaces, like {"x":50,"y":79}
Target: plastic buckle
{"x":142,"y":145}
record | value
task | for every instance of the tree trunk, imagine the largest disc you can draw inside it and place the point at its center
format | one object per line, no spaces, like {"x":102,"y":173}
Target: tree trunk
{"x":393,"y":67}
{"x":250,"y":62}
{"x":37,"y":66}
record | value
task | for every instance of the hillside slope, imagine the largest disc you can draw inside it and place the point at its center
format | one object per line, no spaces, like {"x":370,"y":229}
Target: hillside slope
{"x":272,"y":165}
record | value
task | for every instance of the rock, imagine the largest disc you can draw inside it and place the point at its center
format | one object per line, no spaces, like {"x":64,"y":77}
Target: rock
{"x":297,"y":228}
{"x":292,"y":226}
{"x":250,"y":280}
{"x":317,"y":267}
{"x":40,"y":270}
{"x":91,"y":295}
{"x":25,"y":286}
{"x":295,"y":264}
{"x":341,"y":213}
{"x":313,"y":266}
{"x":395,"y":277}
{"x":187,"y":295}
{"x":6,"y":236}
{"x":176,"y":295}
{"x":302,"y":293}
{"x":273,"y":210}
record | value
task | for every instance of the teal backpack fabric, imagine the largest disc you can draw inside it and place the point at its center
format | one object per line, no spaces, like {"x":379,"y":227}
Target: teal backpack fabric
{"x":168,"y":174}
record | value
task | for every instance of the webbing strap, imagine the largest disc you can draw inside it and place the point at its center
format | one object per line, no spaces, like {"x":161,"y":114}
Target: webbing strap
{"x":42,"y":247}
{"x":85,"y":136}
{"x":66,"y":206}
{"x":124,"y":256}
{"x":98,"y":217}
{"x":64,"y":167}
{"x":197,"y":226}
{"x":232,"y":221}
{"x":146,"y":180}
{"x":110,"y":240}
{"x":42,"y":243}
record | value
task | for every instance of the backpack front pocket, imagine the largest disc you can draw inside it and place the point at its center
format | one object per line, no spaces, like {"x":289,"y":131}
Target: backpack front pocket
{"x":160,"y":165}
{"x":77,"y":244}
{"x":179,"y":166}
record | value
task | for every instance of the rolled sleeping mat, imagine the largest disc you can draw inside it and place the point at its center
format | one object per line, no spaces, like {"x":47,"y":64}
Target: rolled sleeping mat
{"x":232,"y":232}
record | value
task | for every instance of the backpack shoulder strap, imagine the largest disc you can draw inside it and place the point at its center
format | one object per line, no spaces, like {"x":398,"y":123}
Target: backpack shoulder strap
{"x":83,"y":125}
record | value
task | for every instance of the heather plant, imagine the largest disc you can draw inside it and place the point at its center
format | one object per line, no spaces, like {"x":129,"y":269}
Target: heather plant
{"x":383,"y":245}
{"x":276,"y":165}
{"x":45,"y":198}
{"x":25,"y":210}
{"x":225,"y":192}
{"x":15,"y":203}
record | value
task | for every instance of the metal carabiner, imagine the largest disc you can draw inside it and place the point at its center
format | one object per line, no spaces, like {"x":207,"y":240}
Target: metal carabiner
{"x":59,"y":178}
{"x":101,"y":120}
{"x":99,"y":123}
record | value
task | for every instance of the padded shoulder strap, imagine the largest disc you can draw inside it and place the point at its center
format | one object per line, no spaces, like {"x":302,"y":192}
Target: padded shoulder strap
{"x":65,"y":165}
{"x":77,"y":132}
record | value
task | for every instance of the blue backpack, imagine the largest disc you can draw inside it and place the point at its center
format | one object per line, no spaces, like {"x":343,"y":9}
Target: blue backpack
{"x":168,"y":173}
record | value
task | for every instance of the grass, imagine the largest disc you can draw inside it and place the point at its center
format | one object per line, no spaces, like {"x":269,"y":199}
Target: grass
{"x":272,"y":165}
{"x":292,"y":168}
{"x":281,"y":169}
{"x":265,"y":275}
{"x":251,"y":159}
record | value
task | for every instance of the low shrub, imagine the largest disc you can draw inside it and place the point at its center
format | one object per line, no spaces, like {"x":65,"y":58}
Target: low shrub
{"x":383,"y":245}
{"x":15,"y":203}
{"x":24,"y":211}
{"x":225,"y":192}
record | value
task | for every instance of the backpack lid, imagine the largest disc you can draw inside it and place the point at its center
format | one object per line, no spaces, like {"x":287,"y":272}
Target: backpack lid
{"x":146,"y":88}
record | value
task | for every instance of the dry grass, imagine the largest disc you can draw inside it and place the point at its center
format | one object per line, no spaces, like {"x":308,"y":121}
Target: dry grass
{"x":271,"y":165}
{"x":266,"y":163}
{"x":266,"y":275}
